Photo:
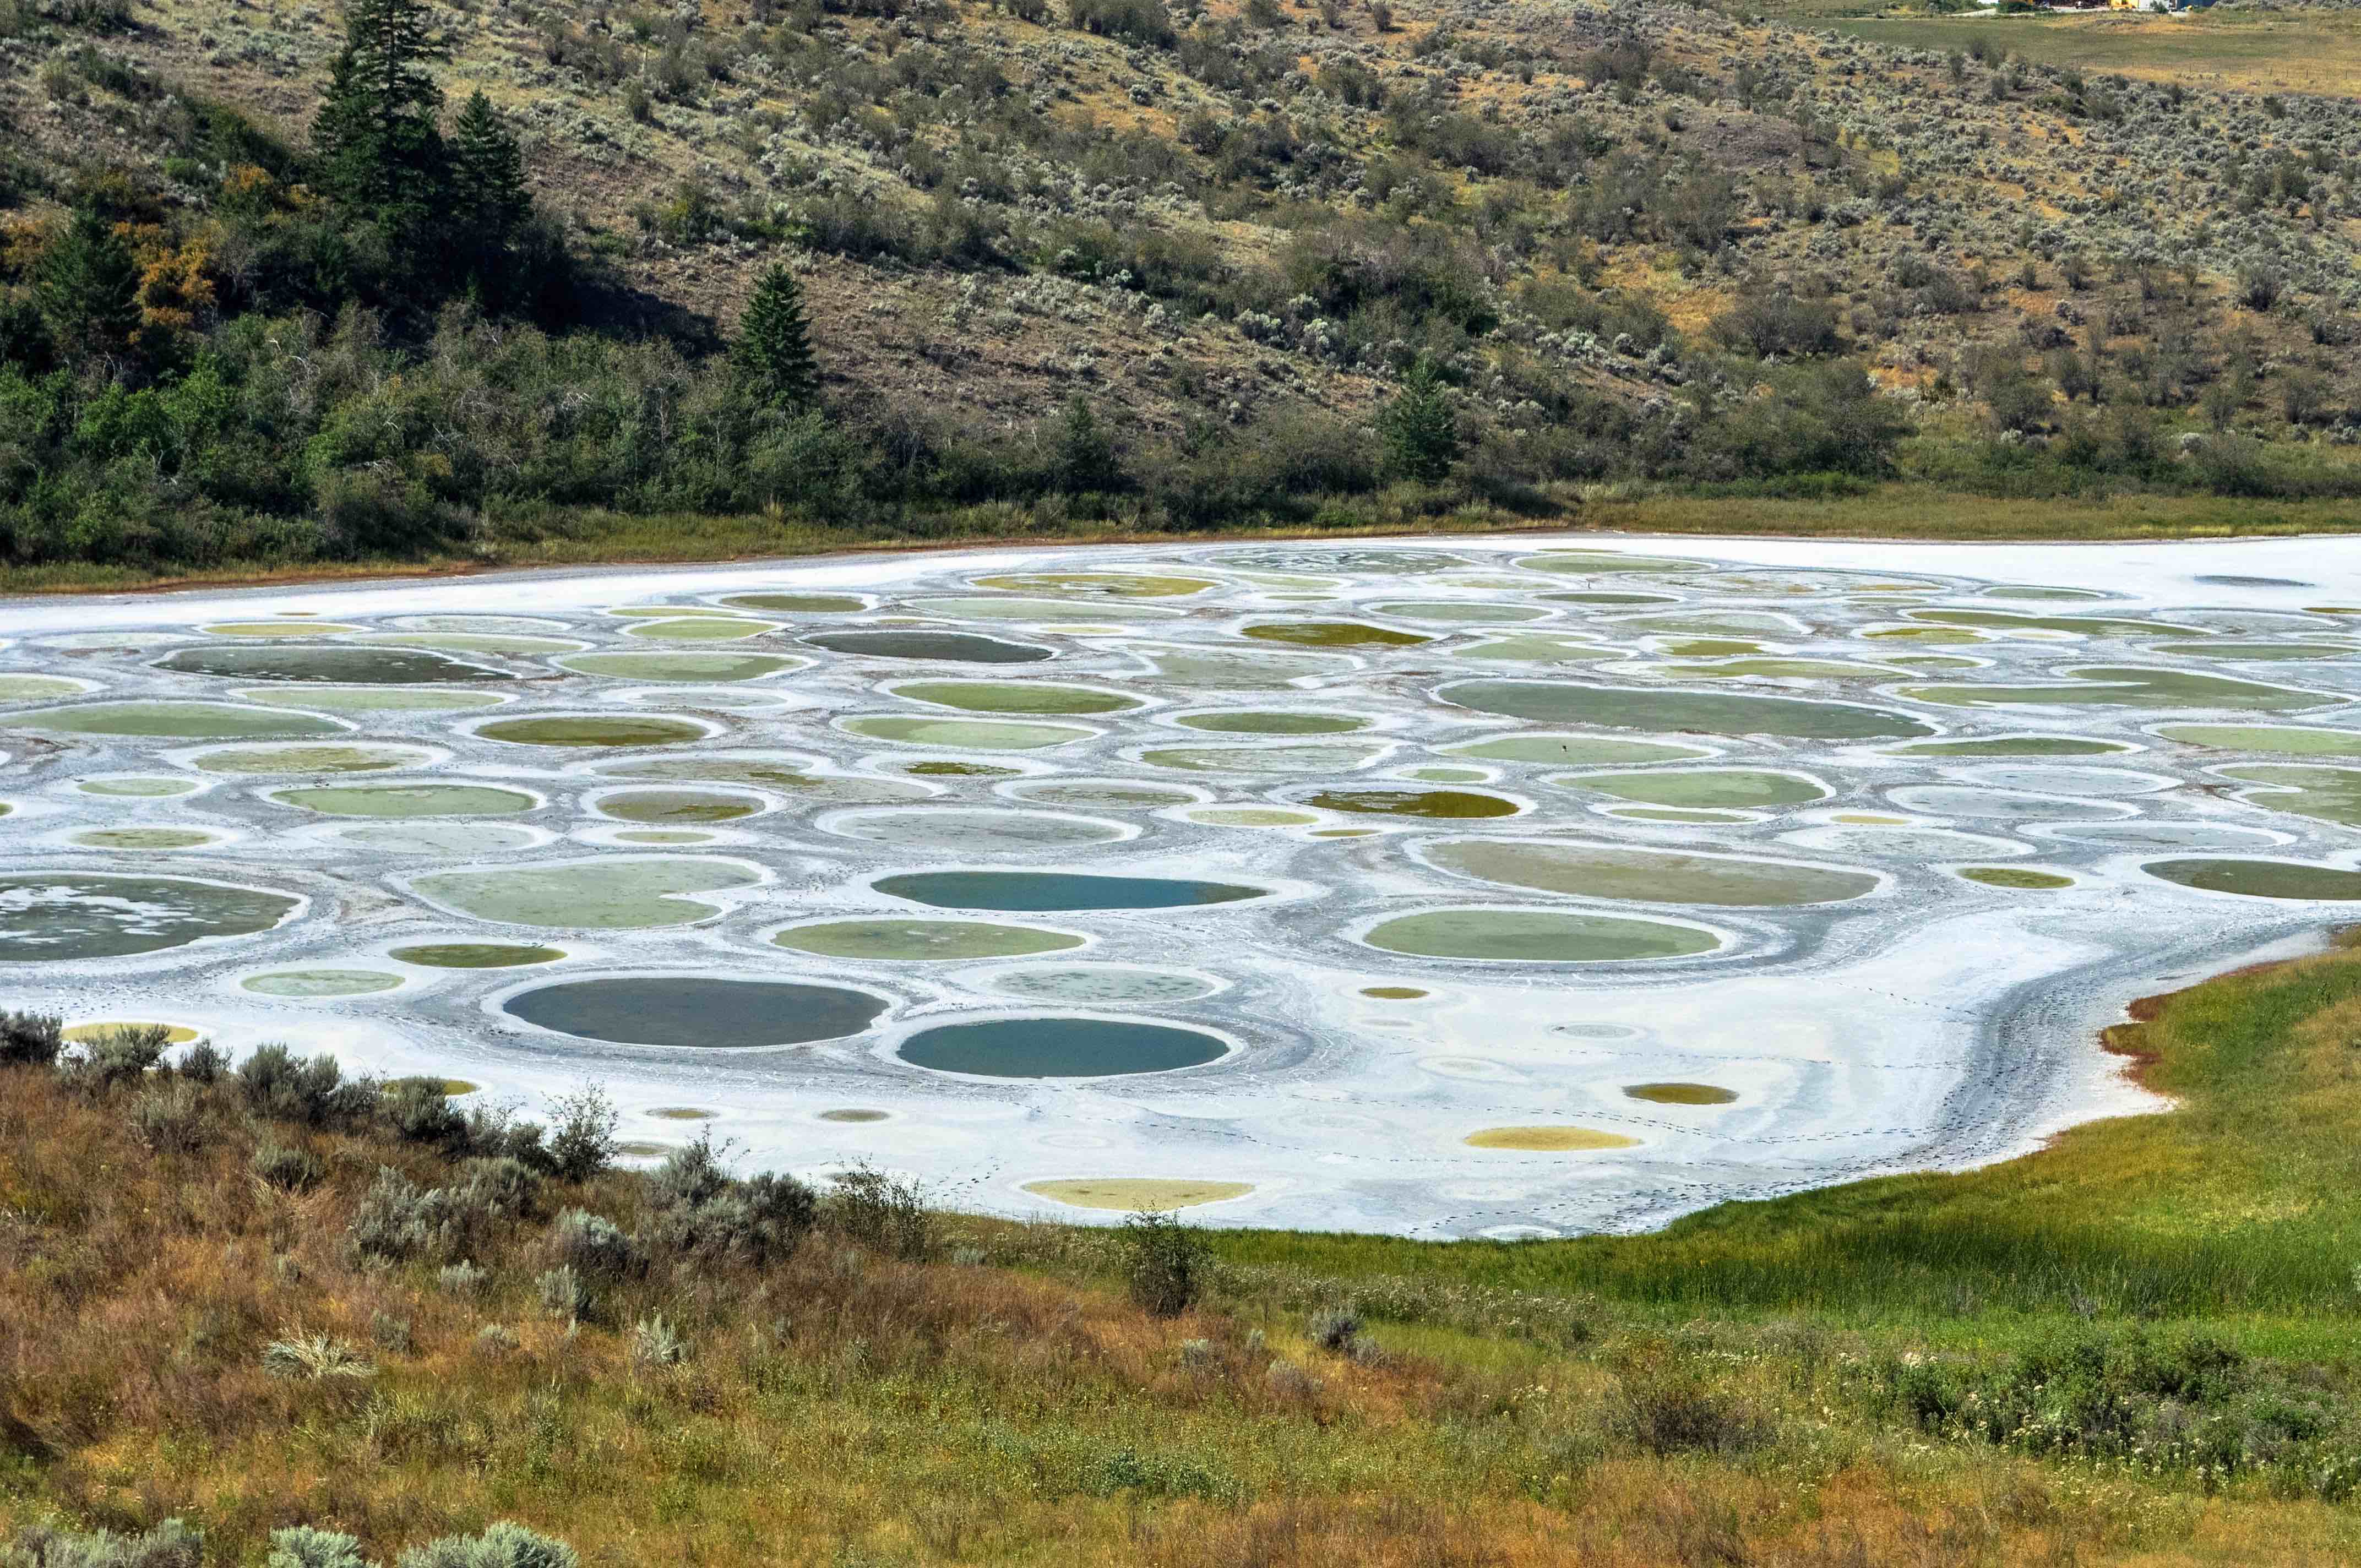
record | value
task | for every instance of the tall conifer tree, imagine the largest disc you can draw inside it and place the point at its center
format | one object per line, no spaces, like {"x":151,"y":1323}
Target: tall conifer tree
{"x":773,"y":350}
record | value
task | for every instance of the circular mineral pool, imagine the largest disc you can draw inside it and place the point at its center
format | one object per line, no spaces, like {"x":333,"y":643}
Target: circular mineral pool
{"x":2021,"y":877}
{"x":683,"y":1113}
{"x":1050,"y":892}
{"x":1138,"y":1194}
{"x":1116,"y":794}
{"x":1668,"y":711}
{"x":1680,"y":1093}
{"x":588,"y":729}
{"x":1059,"y":1048}
{"x":320,"y":982}
{"x":1711,"y":788}
{"x":612,"y":892}
{"x":1575,"y":750}
{"x":142,"y":837}
{"x":944,"y":768}
{"x":372,"y":699}
{"x":2014,"y":746}
{"x":690,"y":1010}
{"x":2283,"y":740}
{"x":309,"y":758}
{"x":407,"y":800}
{"x":699,"y":629}
{"x":1547,"y":1140}
{"x":1537,"y":936}
{"x":338,"y":665}
{"x":1271,"y":721}
{"x":1588,"y":563}
{"x":1015,"y":697}
{"x":1458,"y":612}
{"x":474,"y":955}
{"x":1102,"y":985}
{"x":177,"y":721}
{"x":1394,"y":993}
{"x":959,"y":647}
{"x":1250,"y":816}
{"x":2260,"y":879}
{"x":964,"y":734}
{"x":436,"y":837}
{"x":1294,"y":759}
{"x":923,"y":939}
{"x":799,"y":603}
{"x":1334,"y":634}
{"x":677,"y":806}
{"x":974,"y":830}
{"x":53,"y":917}
{"x":1443,"y":805}
{"x":275,"y":629}
{"x":1097,"y":585}
{"x":1645,"y":875}
{"x":680,"y":666}
{"x":137,"y":788}
{"x":853,"y":1114}
{"x":106,"y":1028}
{"x":39,"y":688}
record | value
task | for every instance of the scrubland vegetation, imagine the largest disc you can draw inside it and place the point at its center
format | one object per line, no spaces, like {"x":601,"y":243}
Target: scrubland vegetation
{"x":264,"y":1312}
{"x":288,"y":288}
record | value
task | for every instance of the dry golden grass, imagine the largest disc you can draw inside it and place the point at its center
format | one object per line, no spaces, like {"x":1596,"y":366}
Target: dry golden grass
{"x":847,"y":1408}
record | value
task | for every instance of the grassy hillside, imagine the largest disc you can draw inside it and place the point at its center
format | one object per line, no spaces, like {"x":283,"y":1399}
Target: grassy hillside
{"x":253,"y":1299}
{"x":1111,"y":266}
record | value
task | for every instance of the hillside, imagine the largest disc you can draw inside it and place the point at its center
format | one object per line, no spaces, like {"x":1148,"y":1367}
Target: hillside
{"x":332,"y":1322}
{"x":1637,"y":244}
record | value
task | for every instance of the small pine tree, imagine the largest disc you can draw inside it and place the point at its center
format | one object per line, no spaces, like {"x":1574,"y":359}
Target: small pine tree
{"x":380,"y":153}
{"x":774,"y":351}
{"x":1086,"y":458}
{"x":1419,"y":430}
{"x":87,"y":286}
{"x":487,"y":191}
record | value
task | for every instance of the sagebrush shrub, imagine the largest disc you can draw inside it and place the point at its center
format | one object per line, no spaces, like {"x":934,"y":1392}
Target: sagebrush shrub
{"x":1167,"y":1263}
{"x":29,"y":1039}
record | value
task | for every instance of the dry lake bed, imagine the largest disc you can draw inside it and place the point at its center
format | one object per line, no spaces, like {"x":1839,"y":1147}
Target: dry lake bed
{"x":1489,"y":887}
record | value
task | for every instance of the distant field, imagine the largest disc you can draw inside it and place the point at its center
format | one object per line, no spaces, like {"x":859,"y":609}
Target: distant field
{"x":2314,"y":51}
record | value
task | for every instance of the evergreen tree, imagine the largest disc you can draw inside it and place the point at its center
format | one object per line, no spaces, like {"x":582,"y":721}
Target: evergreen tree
{"x":488,"y":190}
{"x":380,"y":153}
{"x":489,"y":205}
{"x":1419,"y":430}
{"x":87,"y":286}
{"x":773,"y":350}
{"x":1086,"y":458}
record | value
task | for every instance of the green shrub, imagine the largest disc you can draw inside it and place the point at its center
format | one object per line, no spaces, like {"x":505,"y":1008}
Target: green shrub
{"x":314,"y":1093}
{"x":504,"y":1545}
{"x":869,"y":1207}
{"x":290,"y":1170}
{"x":170,"y":1545}
{"x":301,"y":1546}
{"x":701,"y":1214}
{"x":1166,"y":1262}
{"x":30,"y":1039}
{"x":594,"y":1245}
{"x":119,"y":1056}
{"x":1143,"y":22}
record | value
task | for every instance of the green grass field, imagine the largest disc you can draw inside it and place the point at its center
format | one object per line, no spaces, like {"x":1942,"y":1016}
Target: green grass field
{"x":1891,"y":512}
{"x":2234,"y":1211}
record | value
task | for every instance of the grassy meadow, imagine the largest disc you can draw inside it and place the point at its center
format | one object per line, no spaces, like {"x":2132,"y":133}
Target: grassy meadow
{"x":2310,"y":49}
{"x":2133,"y":1346}
{"x":1902,"y":511}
